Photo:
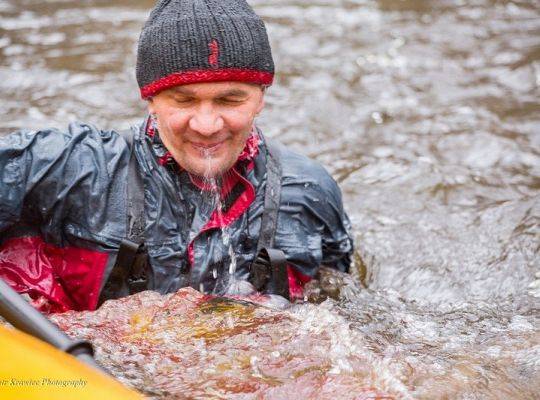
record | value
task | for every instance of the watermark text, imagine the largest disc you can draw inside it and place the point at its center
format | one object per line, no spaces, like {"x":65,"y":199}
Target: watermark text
{"x":43,"y":382}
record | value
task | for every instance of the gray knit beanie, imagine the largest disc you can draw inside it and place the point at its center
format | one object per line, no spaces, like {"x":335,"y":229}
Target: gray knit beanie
{"x":191,"y":41}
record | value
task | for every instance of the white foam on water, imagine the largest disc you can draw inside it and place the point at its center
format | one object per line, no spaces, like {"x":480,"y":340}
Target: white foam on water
{"x":346,"y":347}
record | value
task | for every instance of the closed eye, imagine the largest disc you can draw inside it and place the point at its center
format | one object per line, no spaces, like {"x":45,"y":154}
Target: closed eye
{"x":230,"y":100}
{"x":183,"y":100}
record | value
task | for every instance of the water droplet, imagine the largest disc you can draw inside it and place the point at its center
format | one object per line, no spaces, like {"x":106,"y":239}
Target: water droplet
{"x":377,"y":117}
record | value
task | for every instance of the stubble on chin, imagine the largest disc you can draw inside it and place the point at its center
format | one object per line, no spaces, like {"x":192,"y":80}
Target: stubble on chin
{"x":207,"y":169}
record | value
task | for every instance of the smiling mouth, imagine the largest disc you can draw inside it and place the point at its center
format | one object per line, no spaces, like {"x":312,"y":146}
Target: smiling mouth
{"x":206,"y":149}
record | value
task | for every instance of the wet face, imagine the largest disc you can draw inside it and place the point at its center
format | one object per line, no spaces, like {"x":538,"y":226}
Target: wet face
{"x":205,"y":125}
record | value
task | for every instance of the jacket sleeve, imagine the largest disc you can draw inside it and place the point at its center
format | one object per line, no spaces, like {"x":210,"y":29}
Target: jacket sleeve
{"x":62,"y":208}
{"x":48,"y":177}
{"x":26,"y":158}
{"x":313,"y":227}
{"x":337,"y":242}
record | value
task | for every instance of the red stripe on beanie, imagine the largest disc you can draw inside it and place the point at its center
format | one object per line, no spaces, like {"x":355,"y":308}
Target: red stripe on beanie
{"x":214,"y":53}
{"x":200,"y":76}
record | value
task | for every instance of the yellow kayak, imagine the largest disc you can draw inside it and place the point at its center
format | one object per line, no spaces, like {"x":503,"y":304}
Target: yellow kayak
{"x":32,"y":369}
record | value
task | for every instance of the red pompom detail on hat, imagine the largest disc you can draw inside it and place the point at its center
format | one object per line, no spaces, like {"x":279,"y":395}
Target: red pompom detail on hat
{"x":200,"y":76}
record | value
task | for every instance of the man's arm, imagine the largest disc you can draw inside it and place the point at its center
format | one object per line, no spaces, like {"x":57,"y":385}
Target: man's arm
{"x":61,"y":197}
{"x":49,"y":176}
{"x":26,"y":157}
{"x":313,"y":228}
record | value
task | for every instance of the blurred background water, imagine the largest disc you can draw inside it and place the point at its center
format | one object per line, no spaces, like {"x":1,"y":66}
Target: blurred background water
{"x":427,"y":112}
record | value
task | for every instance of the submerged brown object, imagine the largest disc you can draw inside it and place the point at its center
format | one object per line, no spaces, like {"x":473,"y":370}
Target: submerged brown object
{"x":187,"y":345}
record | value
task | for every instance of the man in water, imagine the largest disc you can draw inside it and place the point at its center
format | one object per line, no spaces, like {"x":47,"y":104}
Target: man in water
{"x":195,"y":196}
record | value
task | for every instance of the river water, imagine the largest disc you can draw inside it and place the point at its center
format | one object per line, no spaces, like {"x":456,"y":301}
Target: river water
{"x":428,"y":115}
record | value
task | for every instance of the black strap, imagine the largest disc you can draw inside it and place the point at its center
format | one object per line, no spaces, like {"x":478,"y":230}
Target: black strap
{"x":135,"y":193}
{"x":272,"y":196}
{"x":129,"y":274}
{"x":269,"y":270}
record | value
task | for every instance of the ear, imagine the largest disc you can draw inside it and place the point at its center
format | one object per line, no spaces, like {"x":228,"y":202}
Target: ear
{"x":151,"y":106}
{"x":260,"y":106}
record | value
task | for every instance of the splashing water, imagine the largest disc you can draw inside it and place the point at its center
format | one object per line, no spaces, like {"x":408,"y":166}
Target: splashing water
{"x":214,"y":183}
{"x":231,"y":349}
{"x":424,"y":113}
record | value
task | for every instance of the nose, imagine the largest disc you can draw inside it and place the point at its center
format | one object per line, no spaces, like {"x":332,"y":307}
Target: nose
{"x":206,"y":121}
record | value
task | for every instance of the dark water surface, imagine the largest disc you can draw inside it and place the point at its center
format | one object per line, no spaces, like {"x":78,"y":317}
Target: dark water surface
{"x":426,"y":112}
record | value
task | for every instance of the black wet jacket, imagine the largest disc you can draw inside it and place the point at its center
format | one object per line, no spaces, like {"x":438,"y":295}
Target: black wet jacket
{"x":63,"y":208}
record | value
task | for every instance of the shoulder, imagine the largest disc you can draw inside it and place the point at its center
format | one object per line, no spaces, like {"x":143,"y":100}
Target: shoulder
{"x":80,"y":151}
{"x":87,"y":137}
{"x":307,"y":177}
{"x":54,"y":141}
